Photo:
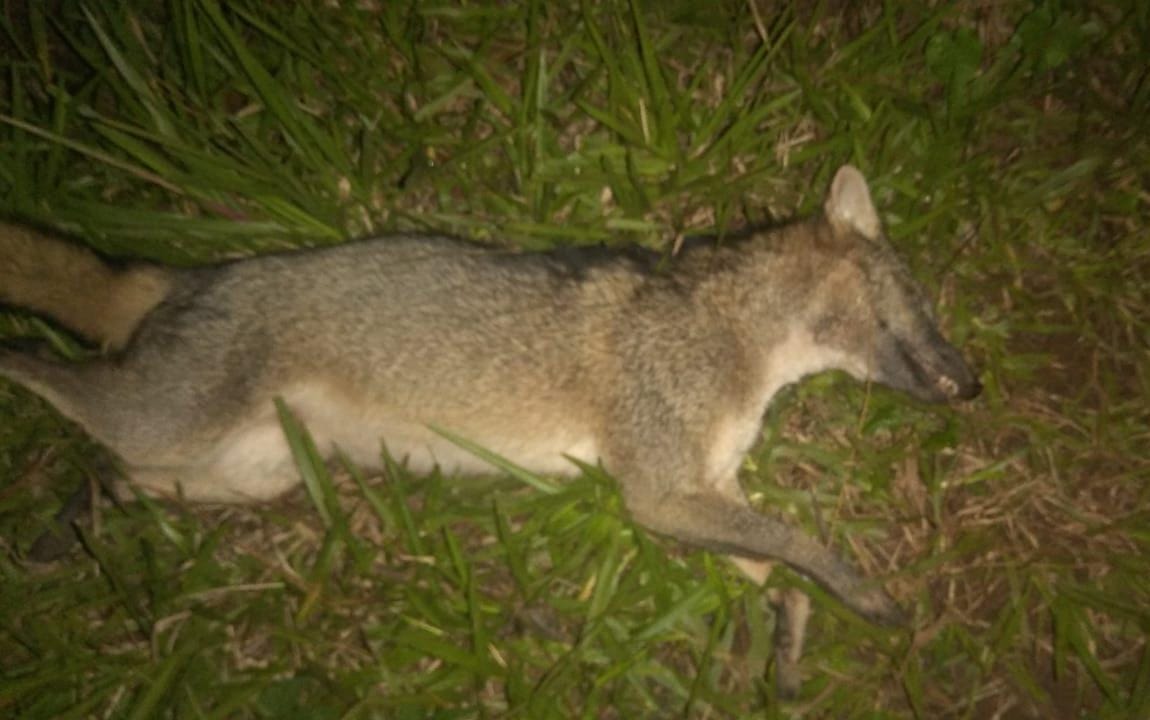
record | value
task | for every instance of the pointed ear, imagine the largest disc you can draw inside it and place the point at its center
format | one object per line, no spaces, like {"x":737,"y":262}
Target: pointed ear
{"x":849,"y":207}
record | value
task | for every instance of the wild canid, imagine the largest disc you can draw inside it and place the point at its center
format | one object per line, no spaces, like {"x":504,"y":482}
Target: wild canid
{"x":660,"y":375}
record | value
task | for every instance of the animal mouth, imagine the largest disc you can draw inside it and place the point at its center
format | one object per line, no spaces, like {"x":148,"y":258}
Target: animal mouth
{"x":929,"y":381}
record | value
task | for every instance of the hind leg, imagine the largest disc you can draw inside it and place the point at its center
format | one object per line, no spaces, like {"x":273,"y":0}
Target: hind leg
{"x":251,"y":464}
{"x":215,"y":442}
{"x":207,"y":486}
{"x":252,"y":467}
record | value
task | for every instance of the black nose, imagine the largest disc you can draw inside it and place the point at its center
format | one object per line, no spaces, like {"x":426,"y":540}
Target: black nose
{"x":970,"y":390}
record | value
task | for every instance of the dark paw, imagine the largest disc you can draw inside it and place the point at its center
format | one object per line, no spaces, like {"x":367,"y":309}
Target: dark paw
{"x":53,"y":544}
{"x":788,"y":679}
{"x":59,"y":539}
{"x":792,"y":612}
{"x":878,"y":607}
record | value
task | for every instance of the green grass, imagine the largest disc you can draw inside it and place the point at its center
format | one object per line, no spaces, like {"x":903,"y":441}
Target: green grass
{"x":1007,"y":148}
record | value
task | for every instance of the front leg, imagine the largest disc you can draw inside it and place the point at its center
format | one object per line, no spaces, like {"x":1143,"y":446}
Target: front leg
{"x":704,"y":518}
{"x":676,"y":458}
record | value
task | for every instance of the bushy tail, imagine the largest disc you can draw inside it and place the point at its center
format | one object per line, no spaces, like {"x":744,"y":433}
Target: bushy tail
{"x":75,"y":287}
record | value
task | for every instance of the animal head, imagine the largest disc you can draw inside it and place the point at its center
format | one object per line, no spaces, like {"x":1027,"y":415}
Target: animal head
{"x":870,"y":313}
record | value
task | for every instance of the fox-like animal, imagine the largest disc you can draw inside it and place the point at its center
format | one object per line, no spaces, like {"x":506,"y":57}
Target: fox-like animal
{"x":660,"y":374}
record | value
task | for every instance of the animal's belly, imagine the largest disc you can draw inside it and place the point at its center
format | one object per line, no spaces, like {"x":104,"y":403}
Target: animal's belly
{"x":361,"y":431}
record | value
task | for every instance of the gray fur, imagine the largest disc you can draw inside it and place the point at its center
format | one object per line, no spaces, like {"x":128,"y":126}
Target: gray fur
{"x":660,"y":376}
